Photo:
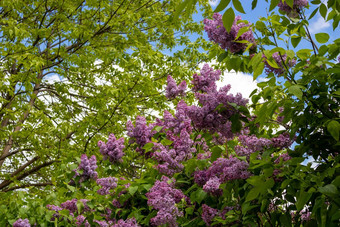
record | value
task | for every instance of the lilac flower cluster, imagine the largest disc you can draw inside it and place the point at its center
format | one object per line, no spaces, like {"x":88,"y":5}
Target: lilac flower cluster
{"x":80,"y":221}
{"x":163,"y":197}
{"x":305,"y":215}
{"x":297,"y":5}
{"x":131,"y":222}
{"x":172,"y":90}
{"x":21,"y":223}
{"x":282,"y":141}
{"x":227,"y":40}
{"x":206,"y":116}
{"x":88,"y":167}
{"x":140,"y":134}
{"x":207,"y":80}
{"x":277,"y":58}
{"x":71,"y":205}
{"x":221,"y":171}
{"x":113,"y":149}
{"x":284,"y":157}
{"x":251,"y":144}
{"x":107,"y":184}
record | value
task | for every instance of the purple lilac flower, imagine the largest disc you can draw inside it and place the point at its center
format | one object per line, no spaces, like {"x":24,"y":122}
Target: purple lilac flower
{"x":71,"y":205}
{"x":280,"y":118}
{"x":113,"y":149}
{"x":103,"y":223}
{"x":80,"y":221}
{"x":131,"y":222}
{"x":140,"y":134}
{"x":107,"y":184}
{"x":206,"y":116}
{"x":163,"y":198}
{"x":277,"y":58}
{"x":22,"y":223}
{"x":282,"y":141}
{"x":305,"y":215}
{"x":297,"y":5}
{"x":201,"y":177}
{"x":56,"y":209}
{"x":172,"y":90}
{"x":251,"y":144}
{"x":207,"y":80}
{"x":227,"y":40}
{"x":212,"y":186}
{"x":88,"y":166}
{"x":208,"y":214}
{"x":284,"y":157}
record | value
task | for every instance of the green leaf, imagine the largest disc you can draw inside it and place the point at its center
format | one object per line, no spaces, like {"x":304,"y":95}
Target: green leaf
{"x":222,"y":56}
{"x":295,"y":40}
{"x":322,"y":37}
{"x":216,"y":153}
{"x":273,"y":4}
{"x":222,"y":5}
{"x":258,"y":70}
{"x":329,"y":190}
{"x":333,"y":128}
{"x":290,"y":3}
{"x":302,"y":199}
{"x":296,"y":90}
{"x":236,"y":124}
{"x":166,"y":142}
{"x":148,"y":146}
{"x":180,"y":9}
{"x":228,"y":19}
{"x":313,"y":13}
{"x":253,"y":4}
{"x":132,"y":189}
{"x":238,"y":6}
{"x":253,"y":194}
{"x":323,"y":10}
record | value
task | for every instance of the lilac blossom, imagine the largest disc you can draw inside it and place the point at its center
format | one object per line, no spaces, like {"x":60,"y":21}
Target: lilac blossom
{"x":227,"y":40}
{"x":251,"y":144}
{"x":282,"y":141}
{"x":113,"y":149}
{"x":163,"y":197}
{"x":88,"y":168}
{"x":201,"y":177}
{"x":22,"y":223}
{"x":278,"y":59}
{"x":207,"y":80}
{"x":297,"y":6}
{"x":212,"y":186}
{"x":80,"y":221}
{"x":141,"y":133}
{"x":284,"y":157}
{"x":172,"y":90}
{"x":305,"y":215}
{"x":208,"y":214}
{"x":107,"y":184}
{"x":131,"y":222}
{"x":71,"y":205}
{"x":56,"y":209}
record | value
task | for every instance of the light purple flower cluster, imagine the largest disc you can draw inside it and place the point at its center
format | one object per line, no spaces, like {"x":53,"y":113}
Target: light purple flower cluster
{"x":208,"y":214}
{"x":221,"y":171}
{"x":80,"y":221}
{"x":22,"y":223}
{"x":277,"y":58}
{"x":212,"y":186}
{"x":131,"y":222}
{"x":71,"y":205}
{"x":280,"y":118}
{"x":251,"y":144}
{"x":297,"y":5}
{"x":282,"y":141}
{"x":284,"y":157}
{"x":113,"y":149}
{"x":207,"y":116}
{"x":141,"y":133}
{"x":227,"y":40}
{"x":207,"y":80}
{"x":172,"y":90}
{"x":163,"y":197}
{"x":107,"y":184}
{"x":305,"y":215}
{"x":88,"y":167}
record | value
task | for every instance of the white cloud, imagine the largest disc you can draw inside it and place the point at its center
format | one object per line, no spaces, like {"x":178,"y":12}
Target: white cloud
{"x":318,"y":25}
{"x":52,"y":79}
{"x":214,"y":3}
{"x":240,"y":82}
